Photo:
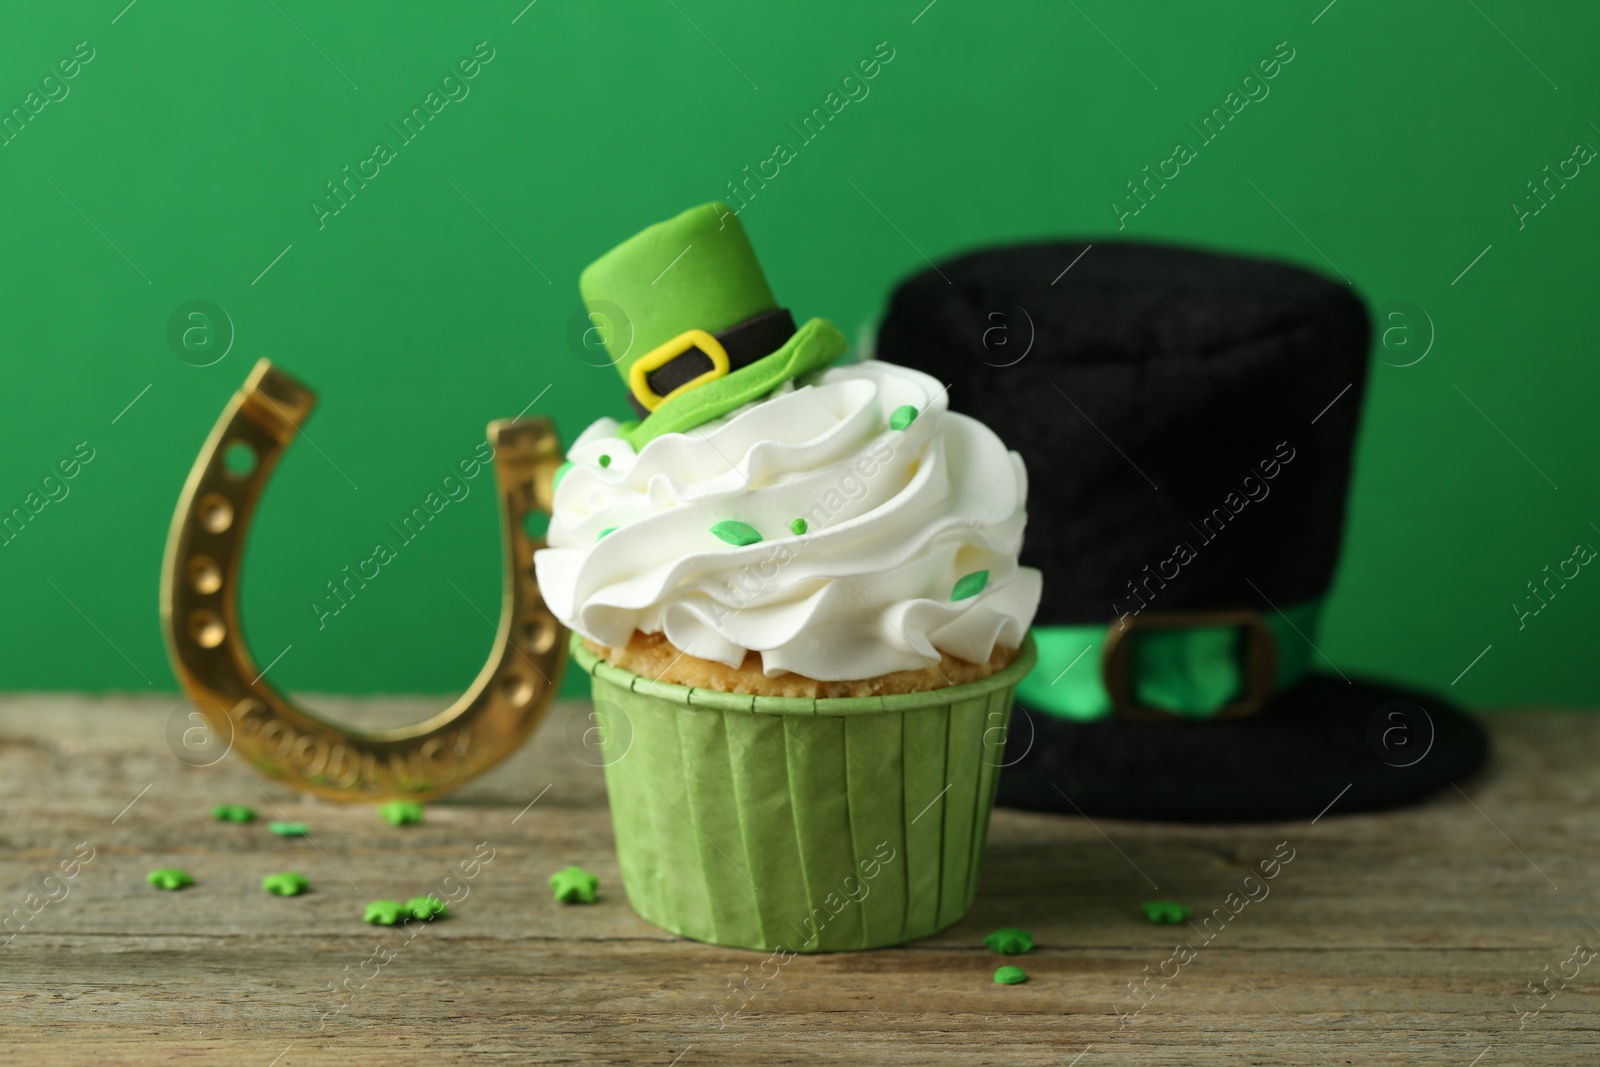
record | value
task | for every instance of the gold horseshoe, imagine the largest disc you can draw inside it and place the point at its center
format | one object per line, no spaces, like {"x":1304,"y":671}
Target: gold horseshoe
{"x":200,"y":615}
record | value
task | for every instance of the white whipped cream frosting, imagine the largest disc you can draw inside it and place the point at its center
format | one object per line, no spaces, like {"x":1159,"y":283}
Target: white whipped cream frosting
{"x":893,"y":520}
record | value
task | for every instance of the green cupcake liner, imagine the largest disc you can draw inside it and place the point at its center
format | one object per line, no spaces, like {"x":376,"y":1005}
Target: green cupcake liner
{"x":805,"y":825}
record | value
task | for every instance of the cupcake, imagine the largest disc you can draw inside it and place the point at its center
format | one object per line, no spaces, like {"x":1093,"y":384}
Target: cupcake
{"x":796,"y":589}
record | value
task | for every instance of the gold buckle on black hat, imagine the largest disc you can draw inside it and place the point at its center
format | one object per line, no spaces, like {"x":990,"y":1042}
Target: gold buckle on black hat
{"x":1260,"y":661}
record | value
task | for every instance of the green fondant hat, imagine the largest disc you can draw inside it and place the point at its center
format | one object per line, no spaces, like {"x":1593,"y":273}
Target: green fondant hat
{"x":695,"y":330}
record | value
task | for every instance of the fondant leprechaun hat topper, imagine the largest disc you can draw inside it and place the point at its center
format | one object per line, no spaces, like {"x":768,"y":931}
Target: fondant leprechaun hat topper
{"x":696,"y":331}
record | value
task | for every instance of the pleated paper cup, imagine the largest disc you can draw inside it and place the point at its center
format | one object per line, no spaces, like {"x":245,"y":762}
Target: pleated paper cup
{"x":798,"y":824}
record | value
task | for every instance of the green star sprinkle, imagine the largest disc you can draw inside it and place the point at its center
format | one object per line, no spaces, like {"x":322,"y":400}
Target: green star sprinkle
{"x":1166,"y":912}
{"x":736,"y":533}
{"x":385,"y":913}
{"x":169,"y":878}
{"x":426,"y":908}
{"x":970,"y":586}
{"x":232,"y":813}
{"x":1009,"y":941}
{"x":400,"y":812}
{"x":289,"y":829}
{"x":601,"y":535}
{"x":798,"y":527}
{"x":574,"y":885}
{"x":561,"y":472}
{"x":1011,"y":976}
{"x":287,"y":884}
{"x":903,"y":416}
{"x":605,"y":461}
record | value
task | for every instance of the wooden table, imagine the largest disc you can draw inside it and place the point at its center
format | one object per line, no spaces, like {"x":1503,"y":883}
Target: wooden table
{"x":1409,"y":938}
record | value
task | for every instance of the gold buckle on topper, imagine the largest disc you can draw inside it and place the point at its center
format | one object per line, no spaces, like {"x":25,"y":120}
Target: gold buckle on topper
{"x":1260,"y":660}
{"x":201,"y":620}
{"x":661,"y":355}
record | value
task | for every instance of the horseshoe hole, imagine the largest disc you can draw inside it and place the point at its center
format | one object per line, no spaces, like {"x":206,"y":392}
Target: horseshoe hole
{"x":204,"y":575}
{"x":539,"y":633}
{"x":536,"y":524}
{"x":238,"y":459}
{"x":216,"y":514}
{"x":206,"y":630}
{"x":517,"y":689}
{"x":247,"y":710}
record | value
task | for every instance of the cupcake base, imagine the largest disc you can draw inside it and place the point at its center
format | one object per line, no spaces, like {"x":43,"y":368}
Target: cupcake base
{"x":800,"y":824}
{"x":653,"y":656}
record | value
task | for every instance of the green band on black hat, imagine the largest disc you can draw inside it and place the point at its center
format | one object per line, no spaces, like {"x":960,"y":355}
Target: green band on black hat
{"x":1188,"y":673}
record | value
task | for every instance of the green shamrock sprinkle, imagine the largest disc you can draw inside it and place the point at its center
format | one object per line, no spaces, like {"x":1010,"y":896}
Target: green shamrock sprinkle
{"x":426,"y":908}
{"x":1011,"y":976}
{"x":287,"y":884}
{"x":736,"y":533}
{"x":574,"y":885}
{"x":400,"y":812}
{"x":385,"y":912}
{"x":903,"y":416}
{"x":970,"y":585}
{"x":605,"y":461}
{"x":289,"y":829}
{"x":601,"y":535}
{"x":232,"y":813}
{"x":1009,"y":941}
{"x":1166,"y":912}
{"x":169,"y":878}
{"x":561,"y":472}
{"x":798,"y":527}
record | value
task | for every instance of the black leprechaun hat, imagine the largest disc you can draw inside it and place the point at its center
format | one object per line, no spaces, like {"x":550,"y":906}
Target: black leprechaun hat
{"x":1187,"y":420}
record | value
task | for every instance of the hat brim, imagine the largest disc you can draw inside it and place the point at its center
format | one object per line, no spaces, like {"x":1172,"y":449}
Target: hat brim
{"x":1323,"y":745}
{"x":814,"y":345}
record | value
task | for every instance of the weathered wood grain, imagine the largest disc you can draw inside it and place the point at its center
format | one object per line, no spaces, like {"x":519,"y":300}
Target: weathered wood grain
{"x":1408,"y":938}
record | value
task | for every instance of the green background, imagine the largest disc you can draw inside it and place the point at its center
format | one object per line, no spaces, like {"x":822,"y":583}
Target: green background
{"x":188,"y":151}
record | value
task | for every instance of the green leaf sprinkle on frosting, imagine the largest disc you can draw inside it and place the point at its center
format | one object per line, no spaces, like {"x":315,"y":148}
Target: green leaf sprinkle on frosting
{"x":970,"y":585}
{"x":736,"y":533}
